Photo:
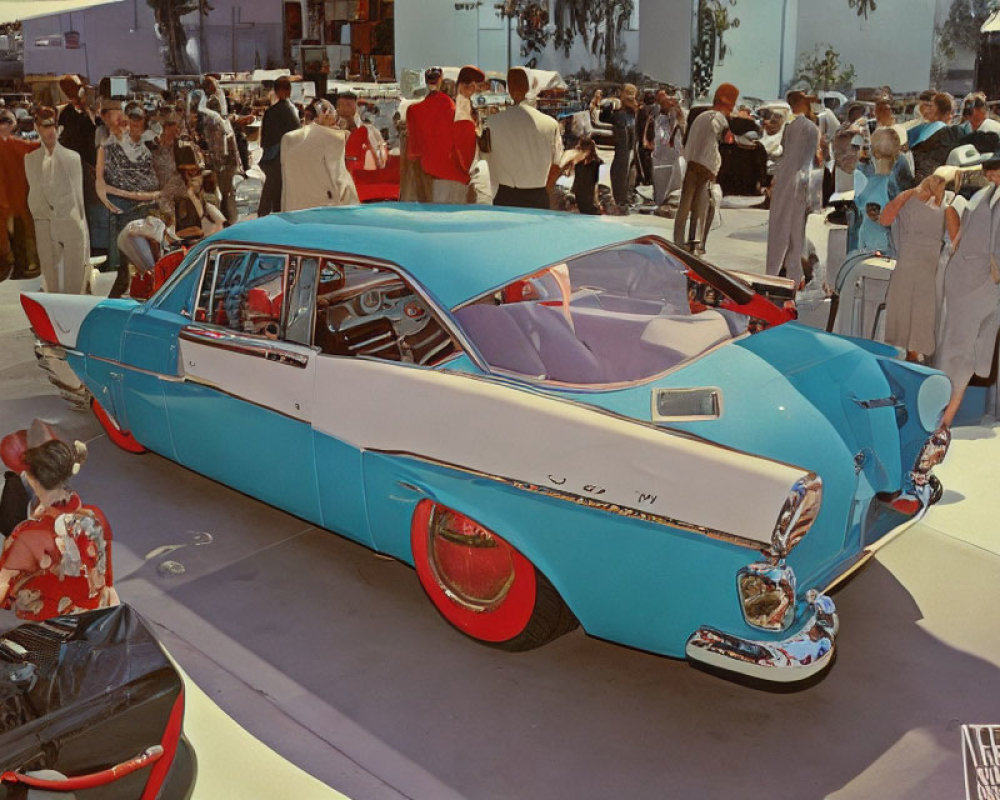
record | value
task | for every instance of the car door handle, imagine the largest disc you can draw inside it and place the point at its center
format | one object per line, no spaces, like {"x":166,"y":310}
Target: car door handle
{"x":276,"y":352}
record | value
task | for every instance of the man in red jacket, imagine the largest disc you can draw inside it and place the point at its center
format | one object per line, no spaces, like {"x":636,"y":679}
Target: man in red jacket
{"x":19,"y":255}
{"x":430,"y":128}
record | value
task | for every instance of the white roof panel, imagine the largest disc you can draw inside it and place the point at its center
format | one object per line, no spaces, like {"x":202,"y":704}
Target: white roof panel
{"x":14,"y":10}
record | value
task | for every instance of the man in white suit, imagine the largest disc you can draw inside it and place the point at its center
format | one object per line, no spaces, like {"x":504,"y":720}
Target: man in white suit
{"x":55,"y":199}
{"x":313,"y":169}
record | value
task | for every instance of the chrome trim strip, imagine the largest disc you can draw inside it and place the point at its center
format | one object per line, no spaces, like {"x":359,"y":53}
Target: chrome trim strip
{"x":200,"y":382}
{"x":796,"y":658}
{"x":131,"y":367}
{"x":878,"y":402}
{"x":589,"y":502}
{"x":269,"y":350}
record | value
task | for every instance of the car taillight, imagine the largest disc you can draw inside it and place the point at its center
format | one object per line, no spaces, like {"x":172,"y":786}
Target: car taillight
{"x":39,"y":320}
{"x":767,"y":595}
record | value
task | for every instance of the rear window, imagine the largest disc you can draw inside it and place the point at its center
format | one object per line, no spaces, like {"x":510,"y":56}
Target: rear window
{"x":617,"y":315}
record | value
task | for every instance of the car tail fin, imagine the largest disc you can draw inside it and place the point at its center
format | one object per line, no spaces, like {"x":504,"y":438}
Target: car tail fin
{"x":39,"y":320}
{"x":57,"y":318}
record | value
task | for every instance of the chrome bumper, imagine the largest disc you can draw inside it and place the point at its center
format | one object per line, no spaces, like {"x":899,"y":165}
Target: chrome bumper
{"x":782,"y":661}
{"x":52,"y":359}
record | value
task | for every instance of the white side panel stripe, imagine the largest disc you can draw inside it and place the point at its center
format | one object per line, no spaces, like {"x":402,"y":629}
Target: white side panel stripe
{"x":567,"y":447}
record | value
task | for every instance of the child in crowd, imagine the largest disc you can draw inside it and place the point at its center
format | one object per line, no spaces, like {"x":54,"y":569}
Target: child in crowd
{"x":142,"y":242}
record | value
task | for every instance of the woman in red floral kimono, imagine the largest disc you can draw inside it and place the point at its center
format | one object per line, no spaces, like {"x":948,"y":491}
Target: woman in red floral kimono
{"x":58,"y":561}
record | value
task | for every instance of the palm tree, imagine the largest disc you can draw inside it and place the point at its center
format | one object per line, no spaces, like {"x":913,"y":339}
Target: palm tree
{"x":599,"y":23}
{"x":708,"y":47}
{"x":863,"y":7}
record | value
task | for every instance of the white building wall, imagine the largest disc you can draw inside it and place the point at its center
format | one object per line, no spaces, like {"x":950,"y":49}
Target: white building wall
{"x":892,"y":47}
{"x":434,"y":33}
{"x":756,"y":60}
{"x":237,"y":32}
{"x":665,"y":40}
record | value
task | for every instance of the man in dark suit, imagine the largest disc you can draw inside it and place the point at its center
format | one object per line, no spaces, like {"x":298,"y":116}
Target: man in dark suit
{"x":279,"y":119}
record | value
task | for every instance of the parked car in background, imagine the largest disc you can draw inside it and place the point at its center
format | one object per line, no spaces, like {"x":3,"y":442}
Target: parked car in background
{"x":92,"y":704}
{"x":556,"y":420}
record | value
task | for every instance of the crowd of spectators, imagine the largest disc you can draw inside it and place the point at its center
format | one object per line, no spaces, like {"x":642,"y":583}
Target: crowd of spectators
{"x":128,"y":179}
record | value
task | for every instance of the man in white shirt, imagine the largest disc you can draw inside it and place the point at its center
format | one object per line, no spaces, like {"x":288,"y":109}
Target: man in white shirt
{"x":55,"y":199}
{"x":523,"y":148}
{"x":703,"y":162}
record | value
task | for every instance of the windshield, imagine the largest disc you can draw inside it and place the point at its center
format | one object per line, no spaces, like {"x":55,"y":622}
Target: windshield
{"x":616,"y":315}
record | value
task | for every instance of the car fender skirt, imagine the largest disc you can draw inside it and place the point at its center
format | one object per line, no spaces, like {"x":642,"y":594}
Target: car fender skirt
{"x":800,"y":656}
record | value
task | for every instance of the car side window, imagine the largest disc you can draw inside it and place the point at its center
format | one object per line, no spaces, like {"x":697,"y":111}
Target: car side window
{"x":372,"y":311}
{"x":219,"y":271}
{"x":243,"y":291}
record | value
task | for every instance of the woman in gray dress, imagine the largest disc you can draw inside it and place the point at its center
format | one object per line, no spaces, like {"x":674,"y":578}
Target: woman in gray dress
{"x":921,"y":218}
{"x":972,"y":293}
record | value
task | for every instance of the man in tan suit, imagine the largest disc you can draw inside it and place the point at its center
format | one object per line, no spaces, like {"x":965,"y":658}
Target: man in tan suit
{"x":55,"y":199}
{"x":313,"y":169}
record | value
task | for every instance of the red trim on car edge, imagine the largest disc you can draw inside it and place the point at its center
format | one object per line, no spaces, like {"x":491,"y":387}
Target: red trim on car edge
{"x":151,"y":755}
{"x":169,"y":742}
{"x":126,"y":441}
{"x":38,"y":317}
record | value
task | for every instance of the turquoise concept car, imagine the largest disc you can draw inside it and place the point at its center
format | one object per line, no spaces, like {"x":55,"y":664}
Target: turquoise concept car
{"x":556,"y":420}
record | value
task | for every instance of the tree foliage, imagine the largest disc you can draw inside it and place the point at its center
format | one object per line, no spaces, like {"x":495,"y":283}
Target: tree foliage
{"x":961,"y":28}
{"x":863,"y":7}
{"x":821,"y":70}
{"x":708,"y":46}
{"x":600,"y":23}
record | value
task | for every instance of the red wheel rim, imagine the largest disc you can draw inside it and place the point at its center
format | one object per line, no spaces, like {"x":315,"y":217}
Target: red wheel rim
{"x":479,"y":583}
{"x":126,"y":441}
